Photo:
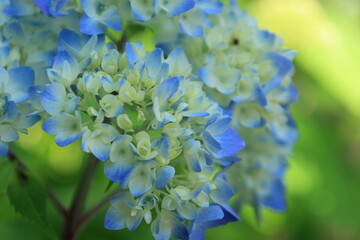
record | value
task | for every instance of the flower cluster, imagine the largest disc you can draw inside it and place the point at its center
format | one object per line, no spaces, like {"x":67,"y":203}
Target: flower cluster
{"x":171,"y":123}
{"x":249,"y":73}
{"x":15,"y":112}
{"x":162,"y":138}
{"x":98,"y":15}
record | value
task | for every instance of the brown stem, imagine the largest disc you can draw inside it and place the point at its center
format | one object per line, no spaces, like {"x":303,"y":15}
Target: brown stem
{"x":120,"y":45}
{"x":89,"y":214}
{"x":22,"y":171}
{"x":57,"y":204}
{"x":71,"y":228}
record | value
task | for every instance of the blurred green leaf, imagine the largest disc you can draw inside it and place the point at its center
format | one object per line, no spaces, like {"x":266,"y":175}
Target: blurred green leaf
{"x":134,"y":29}
{"x":6,"y":170}
{"x":29,"y":199}
{"x":110,"y":184}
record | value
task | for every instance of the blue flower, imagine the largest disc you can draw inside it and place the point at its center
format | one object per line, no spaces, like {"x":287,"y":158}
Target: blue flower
{"x":52,"y":8}
{"x":7,"y":134}
{"x":54,"y":99}
{"x":98,"y":16}
{"x":81,"y":46}
{"x":162,"y":94}
{"x":99,"y":140}
{"x":20,"y":8}
{"x":64,"y":70}
{"x":122,"y":159}
{"x":142,"y":10}
{"x":169,"y":224}
{"x":221,"y":140}
{"x":194,"y":21}
{"x":220,"y":76}
{"x":164,"y":141}
{"x":65,"y":127}
{"x":177,"y":7}
{"x":16,"y":82}
{"x":123,"y":213}
{"x":14,"y":108}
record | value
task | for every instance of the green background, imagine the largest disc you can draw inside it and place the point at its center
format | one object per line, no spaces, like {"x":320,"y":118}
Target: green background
{"x":323,"y":182}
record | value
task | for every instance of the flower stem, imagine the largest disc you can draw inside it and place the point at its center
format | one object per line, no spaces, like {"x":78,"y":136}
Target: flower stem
{"x":89,"y":214}
{"x":71,"y":227}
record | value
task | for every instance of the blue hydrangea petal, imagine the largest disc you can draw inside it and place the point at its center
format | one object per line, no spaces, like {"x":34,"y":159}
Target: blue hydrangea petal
{"x":166,"y":89}
{"x":91,"y":26}
{"x":169,"y":224}
{"x":220,"y":76}
{"x":159,"y":230}
{"x":67,"y":66}
{"x":114,"y":220}
{"x":19,"y":8}
{"x":142,"y":10}
{"x":250,"y":116}
{"x":101,"y":151}
{"x":122,"y":158}
{"x":210,"y":142}
{"x":15,"y":32}
{"x":26,"y":122}
{"x":210,"y":7}
{"x":222,"y":193}
{"x":191,"y":149}
{"x":178,"y":63}
{"x":53,"y":98}
{"x":113,"y":22}
{"x":64,"y":139}
{"x":10,"y":111}
{"x":196,"y":232}
{"x":4,"y":148}
{"x":8,"y":134}
{"x":140,"y":180}
{"x":118,"y":171}
{"x":123,"y":213}
{"x":229,"y":216}
{"x":153,"y":62}
{"x":163,"y":146}
{"x":192,"y":22}
{"x":275,"y":200}
{"x":134,"y":221}
{"x":99,"y":141}
{"x":219,"y":126}
{"x":195,"y":113}
{"x":52,"y":8}
{"x":210,"y":213}
{"x":188,"y":211}
{"x":177,"y":7}
{"x":283,"y":66}
{"x":66,"y":127}
{"x":89,"y":7}
{"x":134,"y":52}
{"x":4,"y":55}
{"x":163,"y":176}
{"x":21,"y":78}
{"x":179,"y":231}
{"x":231,"y":143}
{"x":71,"y":39}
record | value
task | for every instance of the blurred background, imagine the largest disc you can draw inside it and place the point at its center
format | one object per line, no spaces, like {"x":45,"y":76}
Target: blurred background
{"x":323,"y":182}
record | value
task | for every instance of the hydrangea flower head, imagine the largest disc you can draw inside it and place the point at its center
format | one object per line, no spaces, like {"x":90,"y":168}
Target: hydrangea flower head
{"x":162,"y":138}
{"x":248,"y":72}
{"x":14,"y":109}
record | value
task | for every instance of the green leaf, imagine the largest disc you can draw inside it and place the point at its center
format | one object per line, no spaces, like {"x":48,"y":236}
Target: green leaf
{"x":110,"y":184}
{"x":29,"y":199}
{"x":6,"y":171}
{"x":134,"y":29}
